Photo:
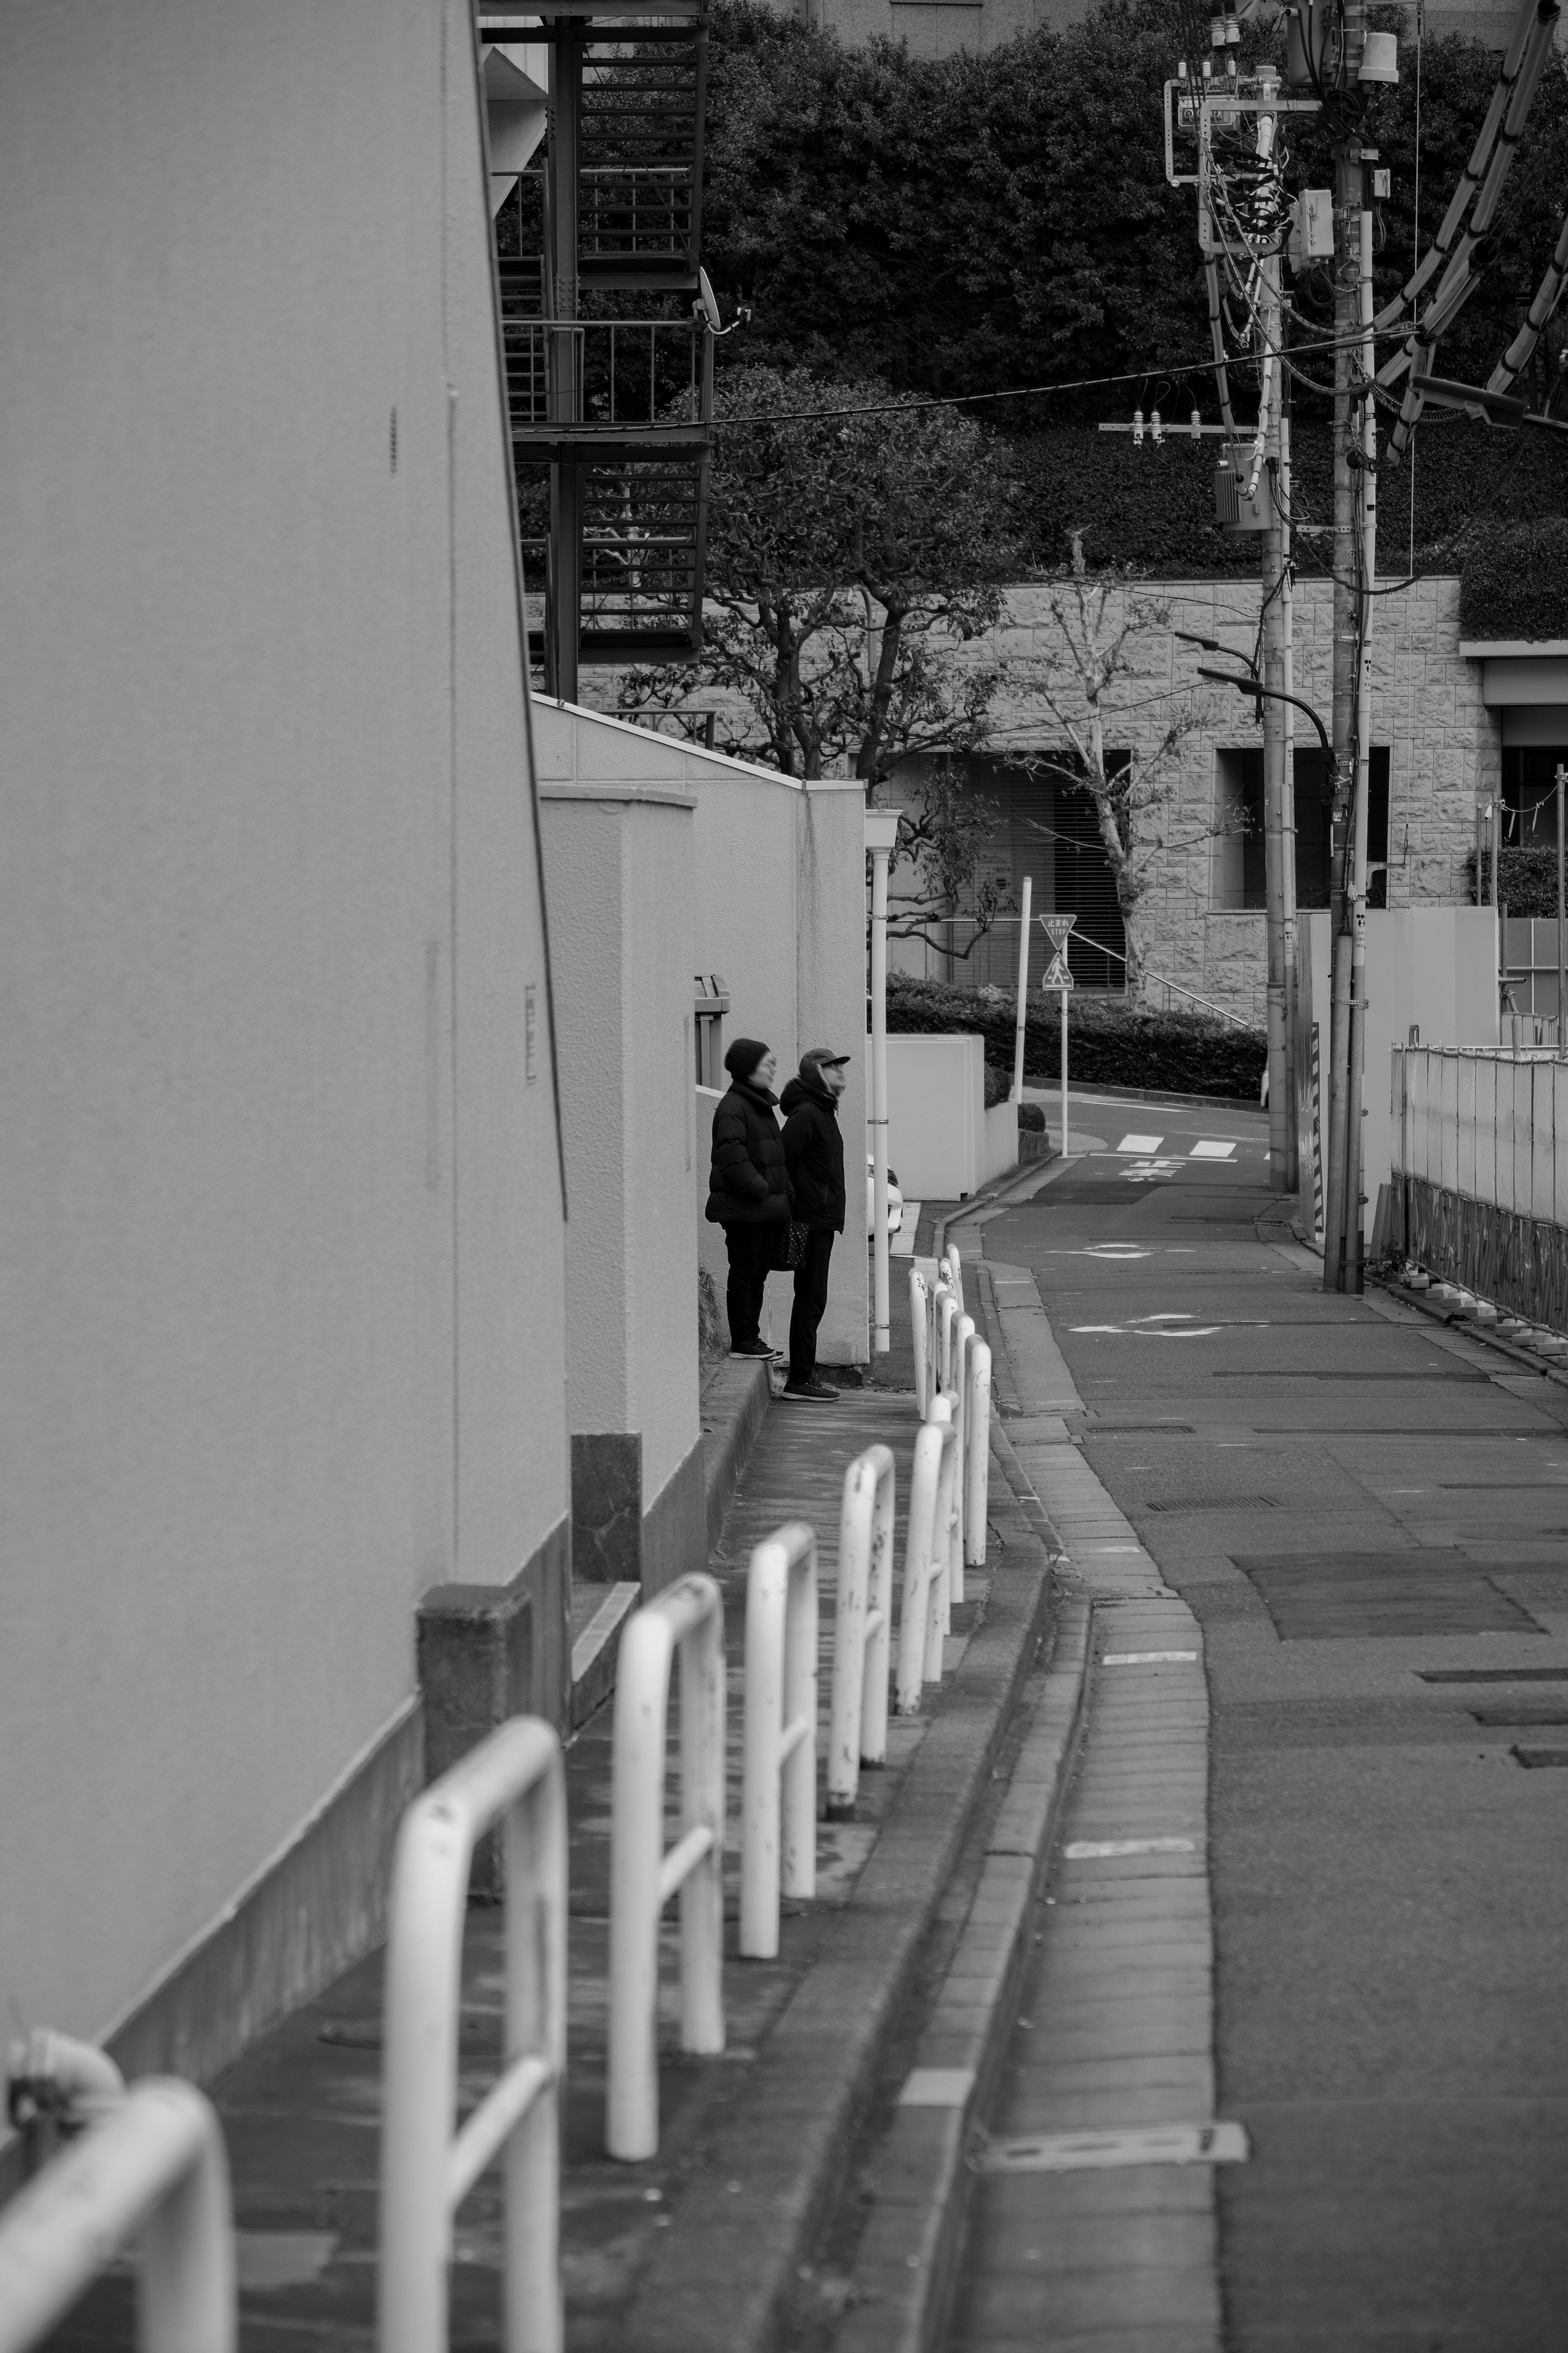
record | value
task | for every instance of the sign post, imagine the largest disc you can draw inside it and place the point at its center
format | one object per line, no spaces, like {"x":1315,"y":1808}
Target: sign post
{"x":1057,"y":976}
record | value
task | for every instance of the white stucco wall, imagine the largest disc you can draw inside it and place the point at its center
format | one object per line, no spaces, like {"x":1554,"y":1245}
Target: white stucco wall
{"x":619,"y":861}
{"x":776,"y":891}
{"x":281,"y":1267}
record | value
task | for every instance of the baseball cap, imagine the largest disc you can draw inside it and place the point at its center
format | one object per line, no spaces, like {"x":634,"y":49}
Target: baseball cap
{"x":820,"y":1057}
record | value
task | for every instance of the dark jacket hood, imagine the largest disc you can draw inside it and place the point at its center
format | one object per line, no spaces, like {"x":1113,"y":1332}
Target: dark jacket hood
{"x":758,"y":1094}
{"x":801,"y":1091}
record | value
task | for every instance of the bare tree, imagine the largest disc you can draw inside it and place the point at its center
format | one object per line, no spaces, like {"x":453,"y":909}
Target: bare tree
{"x":1081,"y":681}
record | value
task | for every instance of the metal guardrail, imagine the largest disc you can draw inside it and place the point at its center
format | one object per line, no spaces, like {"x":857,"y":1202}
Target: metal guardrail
{"x":778,"y":1800}
{"x":427,"y":2169}
{"x":688,"y":1617}
{"x":862,"y":1628}
{"x":154,"y":2170}
{"x":923,"y":1620}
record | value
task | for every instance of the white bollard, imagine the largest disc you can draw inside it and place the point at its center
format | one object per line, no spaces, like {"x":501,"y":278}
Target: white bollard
{"x":947,"y":1313}
{"x":924,"y":1617}
{"x":920,"y":1333}
{"x":963,"y":1341}
{"x":687,"y":1616}
{"x":953,"y":1267}
{"x":977,"y":1470}
{"x":154,"y":2170}
{"x":858,"y":1718}
{"x":778,"y":1797}
{"x":428,"y":2165}
{"x":948,"y":1541}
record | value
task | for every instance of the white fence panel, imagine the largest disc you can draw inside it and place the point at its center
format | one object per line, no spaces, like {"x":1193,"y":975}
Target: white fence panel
{"x":1544,"y":1147}
{"x":1464,"y":1162}
{"x":1448,"y":1133}
{"x":1486,"y":1128}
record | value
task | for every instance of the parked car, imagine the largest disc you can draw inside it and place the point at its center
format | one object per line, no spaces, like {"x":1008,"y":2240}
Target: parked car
{"x":895,"y":1199}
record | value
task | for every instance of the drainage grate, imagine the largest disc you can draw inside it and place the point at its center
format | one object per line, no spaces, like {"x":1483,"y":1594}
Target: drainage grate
{"x":1493,"y":1674}
{"x":1307,"y":1373}
{"x":1535,"y":1757}
{"x":1139,"y":1429}
{"x":1215,"y":1503}
{"x":1339,"y":1596}
{"x":1084,"y":2152}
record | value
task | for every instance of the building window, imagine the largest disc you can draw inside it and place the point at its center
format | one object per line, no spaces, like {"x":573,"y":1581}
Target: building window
{"x":1237,"y":862}
{"x":1530,"y":796}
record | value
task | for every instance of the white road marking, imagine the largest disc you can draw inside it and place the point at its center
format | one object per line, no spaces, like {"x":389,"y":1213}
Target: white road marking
{"x":1211,"y":1151}
{"x":1143,"y":1144}
{"x":1085,"y":2152}
{"x":1111,"y":1850}
{"x":1095,"y":1327}
{"x":1145,"y":1658}
{"x":1165,"y":1315}
{"x":1140,"y":1172}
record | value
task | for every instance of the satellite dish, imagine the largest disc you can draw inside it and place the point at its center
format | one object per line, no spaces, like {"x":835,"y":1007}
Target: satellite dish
{"x":707,"y":302}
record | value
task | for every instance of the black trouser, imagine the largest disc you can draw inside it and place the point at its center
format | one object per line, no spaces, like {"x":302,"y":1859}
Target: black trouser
{"x":810,"y":1299}
{"x":752,"y":1251}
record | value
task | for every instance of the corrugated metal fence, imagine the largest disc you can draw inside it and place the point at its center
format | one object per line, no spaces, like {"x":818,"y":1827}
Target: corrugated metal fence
{"x":1480,"y":1173}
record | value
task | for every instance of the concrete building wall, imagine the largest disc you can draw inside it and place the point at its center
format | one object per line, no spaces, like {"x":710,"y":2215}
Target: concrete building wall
{"x":281,"y":1234}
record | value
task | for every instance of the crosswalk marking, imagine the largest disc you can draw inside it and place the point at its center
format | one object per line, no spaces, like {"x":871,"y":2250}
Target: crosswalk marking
{"x":1141,"y":1143}
{"x":1211,"y":1151}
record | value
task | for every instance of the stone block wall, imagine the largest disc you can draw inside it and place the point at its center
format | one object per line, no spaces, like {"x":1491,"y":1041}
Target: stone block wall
{"x":1444,"y":747}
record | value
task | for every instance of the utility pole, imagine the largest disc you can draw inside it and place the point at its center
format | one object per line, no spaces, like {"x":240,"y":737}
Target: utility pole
{"x":1366,"y":486}
{"x":1277,"y":858}
{"x":1288,"y":788}
{"x":1344,"y":1172}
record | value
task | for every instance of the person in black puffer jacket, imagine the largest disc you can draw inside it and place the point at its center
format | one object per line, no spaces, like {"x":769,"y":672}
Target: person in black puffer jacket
{"x":747,"y":1189}
{"x":813,"y":1153}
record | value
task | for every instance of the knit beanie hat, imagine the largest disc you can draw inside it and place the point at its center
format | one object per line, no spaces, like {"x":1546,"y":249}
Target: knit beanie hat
{"x":741,"y":1059}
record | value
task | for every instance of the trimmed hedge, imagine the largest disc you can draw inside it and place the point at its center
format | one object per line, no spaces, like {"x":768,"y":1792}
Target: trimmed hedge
{"x":1173,"y":1053}
{"x":1515,"y":584}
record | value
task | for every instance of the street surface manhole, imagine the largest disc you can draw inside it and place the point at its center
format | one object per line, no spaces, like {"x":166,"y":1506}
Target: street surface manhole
{"x":1215,"y":1503}
{"x":1348,"y":1596}
{"x":1535,"y":1757}
{"x":1095,"y":2152}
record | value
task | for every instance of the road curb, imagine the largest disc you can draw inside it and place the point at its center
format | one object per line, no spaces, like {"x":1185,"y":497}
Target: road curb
{"x":725,"y":2278}
{"x":907,"y":2266}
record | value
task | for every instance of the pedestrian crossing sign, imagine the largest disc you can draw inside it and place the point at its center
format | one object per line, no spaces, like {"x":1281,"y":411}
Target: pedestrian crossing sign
{"x":1057,"y":975}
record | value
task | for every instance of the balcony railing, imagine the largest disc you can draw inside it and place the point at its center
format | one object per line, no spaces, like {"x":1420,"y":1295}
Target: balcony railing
{"x":597,"y":377}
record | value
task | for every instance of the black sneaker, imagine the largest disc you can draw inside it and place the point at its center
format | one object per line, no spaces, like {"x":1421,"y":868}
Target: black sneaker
{"x":813,"y":1392}
{"x":757,"y":1348}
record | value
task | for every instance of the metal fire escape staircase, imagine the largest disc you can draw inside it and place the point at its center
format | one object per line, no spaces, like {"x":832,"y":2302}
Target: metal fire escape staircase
{"x":611,"y":397}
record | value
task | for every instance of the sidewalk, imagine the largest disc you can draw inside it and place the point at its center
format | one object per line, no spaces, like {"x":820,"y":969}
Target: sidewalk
{"x":704,"y":2246}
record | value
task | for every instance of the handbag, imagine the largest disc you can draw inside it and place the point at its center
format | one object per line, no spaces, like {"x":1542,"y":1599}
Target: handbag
{"x":792,"y":1247}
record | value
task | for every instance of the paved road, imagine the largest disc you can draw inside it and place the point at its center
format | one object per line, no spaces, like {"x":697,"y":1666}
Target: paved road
{"x":1369,"y":1518}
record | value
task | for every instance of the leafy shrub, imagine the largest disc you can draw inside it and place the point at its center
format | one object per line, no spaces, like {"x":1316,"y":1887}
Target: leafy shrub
{"x":1515,"y":583}
{"x":1527,"y":880}
{"x":1031,"y":1116}
{"x":998,"y":1085}
{"x":1175,"y":1053}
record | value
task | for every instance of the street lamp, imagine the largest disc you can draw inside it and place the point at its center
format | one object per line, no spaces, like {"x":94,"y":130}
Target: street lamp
{"x":882,"y":839}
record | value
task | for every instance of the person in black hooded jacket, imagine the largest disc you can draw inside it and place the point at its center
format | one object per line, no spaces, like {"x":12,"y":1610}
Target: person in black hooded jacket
{"x":814,"y":1155}
{"x":747,"y":1189}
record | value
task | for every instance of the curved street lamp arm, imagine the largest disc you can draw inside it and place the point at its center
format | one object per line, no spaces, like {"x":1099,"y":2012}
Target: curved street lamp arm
{"x":1276,"y":695}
